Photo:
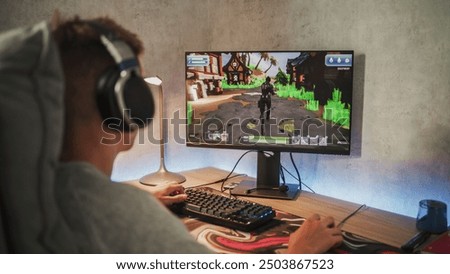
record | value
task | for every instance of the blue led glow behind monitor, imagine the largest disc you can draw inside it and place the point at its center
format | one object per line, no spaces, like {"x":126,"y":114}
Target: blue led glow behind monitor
{"x":229,"y":106}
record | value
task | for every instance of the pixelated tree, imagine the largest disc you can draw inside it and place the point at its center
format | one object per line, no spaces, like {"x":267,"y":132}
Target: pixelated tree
{"x":281,"y":78}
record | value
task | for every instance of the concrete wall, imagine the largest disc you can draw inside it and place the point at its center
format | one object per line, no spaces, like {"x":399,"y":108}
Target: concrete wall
{"x":401,"y":129}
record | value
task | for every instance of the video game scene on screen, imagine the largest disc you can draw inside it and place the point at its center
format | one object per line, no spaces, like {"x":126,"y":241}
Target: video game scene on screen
{"x":296,"y":100}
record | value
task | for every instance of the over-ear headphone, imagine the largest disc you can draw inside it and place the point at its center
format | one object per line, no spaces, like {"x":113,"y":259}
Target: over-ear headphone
{"x":123,"y":97}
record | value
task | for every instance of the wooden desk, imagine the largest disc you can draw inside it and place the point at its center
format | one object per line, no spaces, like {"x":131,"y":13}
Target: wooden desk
{"x":386,"y":227}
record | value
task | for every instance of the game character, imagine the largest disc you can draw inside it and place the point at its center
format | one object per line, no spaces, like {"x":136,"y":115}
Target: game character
{"x":265,"y":102}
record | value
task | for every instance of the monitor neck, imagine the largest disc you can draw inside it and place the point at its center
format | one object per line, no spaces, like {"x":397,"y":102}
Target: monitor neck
{"x":267,"y":183}
{"x":268,"y":169}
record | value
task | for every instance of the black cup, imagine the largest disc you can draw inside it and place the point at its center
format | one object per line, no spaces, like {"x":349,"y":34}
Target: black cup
{"x":432,"y":216}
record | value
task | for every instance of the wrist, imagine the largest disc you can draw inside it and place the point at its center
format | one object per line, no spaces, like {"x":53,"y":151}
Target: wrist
{"x":303,"y":249}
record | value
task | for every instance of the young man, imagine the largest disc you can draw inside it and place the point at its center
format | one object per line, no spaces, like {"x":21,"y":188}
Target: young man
{"x":107,"y":217}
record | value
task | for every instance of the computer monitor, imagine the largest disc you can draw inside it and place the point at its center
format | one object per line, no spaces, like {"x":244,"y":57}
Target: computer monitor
{"x":270,"y":102}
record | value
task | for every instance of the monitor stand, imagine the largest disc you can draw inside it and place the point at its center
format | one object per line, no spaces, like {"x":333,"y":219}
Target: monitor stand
{"x":267,"y":183}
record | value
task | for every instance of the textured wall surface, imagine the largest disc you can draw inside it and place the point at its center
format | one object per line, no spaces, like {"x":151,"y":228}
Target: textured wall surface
{"x":401,"y":124}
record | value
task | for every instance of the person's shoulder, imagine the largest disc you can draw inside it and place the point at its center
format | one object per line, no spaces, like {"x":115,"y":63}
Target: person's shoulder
{"x":72,"y":172}
{"x":84,"y":179}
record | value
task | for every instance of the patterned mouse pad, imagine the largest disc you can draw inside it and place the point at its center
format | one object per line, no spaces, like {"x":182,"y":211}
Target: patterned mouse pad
{"x":273,"y":237}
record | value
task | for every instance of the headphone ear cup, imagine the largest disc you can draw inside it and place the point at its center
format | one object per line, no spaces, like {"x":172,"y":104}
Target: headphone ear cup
{"x":138,"y":98}
{"x":106,"y":99}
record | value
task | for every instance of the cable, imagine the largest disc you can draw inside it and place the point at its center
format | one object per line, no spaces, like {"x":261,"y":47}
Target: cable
{"x":351,"y":215}
{"x":217,"y":181}
{"x":296,"y":170}
{"x":298,"y":180}
{"x":231,"y":172}
{"x":281,"y":172}
{"x":282,"y":175}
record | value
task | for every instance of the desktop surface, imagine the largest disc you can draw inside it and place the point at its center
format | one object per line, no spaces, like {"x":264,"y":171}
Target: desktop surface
{"x":379,"y":225}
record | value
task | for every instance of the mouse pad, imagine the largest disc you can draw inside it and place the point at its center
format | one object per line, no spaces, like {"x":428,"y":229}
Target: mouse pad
{"x":272,"y":237}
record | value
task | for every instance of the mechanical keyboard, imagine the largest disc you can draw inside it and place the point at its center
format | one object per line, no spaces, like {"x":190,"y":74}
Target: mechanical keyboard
{"x":217,"y":209}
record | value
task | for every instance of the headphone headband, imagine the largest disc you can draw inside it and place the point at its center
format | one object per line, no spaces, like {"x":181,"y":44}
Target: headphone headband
{"x":119,"y":50}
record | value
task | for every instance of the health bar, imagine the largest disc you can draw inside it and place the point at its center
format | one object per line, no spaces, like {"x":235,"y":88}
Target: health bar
{"x":198,"y":60}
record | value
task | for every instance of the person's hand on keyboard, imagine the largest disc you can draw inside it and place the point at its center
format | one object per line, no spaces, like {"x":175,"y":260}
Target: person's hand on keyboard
{"x":171,"y":194}
{"x":316,"y":235}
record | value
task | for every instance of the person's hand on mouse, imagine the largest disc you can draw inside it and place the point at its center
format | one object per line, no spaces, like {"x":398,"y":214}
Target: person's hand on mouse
{"x":171,"y":194}
{"x":316,"y":235}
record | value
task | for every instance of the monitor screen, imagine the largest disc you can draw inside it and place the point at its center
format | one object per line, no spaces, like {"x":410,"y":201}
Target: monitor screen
{"x":294,"y":101}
